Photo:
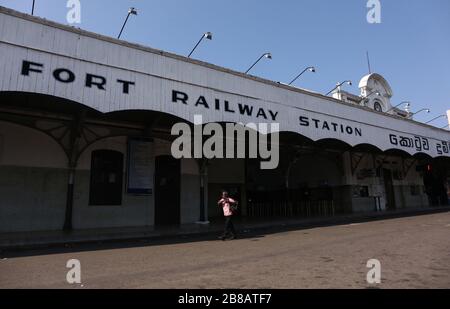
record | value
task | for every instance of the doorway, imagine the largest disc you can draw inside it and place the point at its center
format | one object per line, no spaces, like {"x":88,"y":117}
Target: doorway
{"x":389,"y":188}
{"x":167,"y":191}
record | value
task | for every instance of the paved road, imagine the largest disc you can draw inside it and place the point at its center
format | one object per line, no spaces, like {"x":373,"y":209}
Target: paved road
{"x":414,"y":253}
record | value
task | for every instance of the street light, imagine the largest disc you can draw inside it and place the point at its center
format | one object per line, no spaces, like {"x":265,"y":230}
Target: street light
{"x":131,"y":11}
{"x":338,"y":85}
{"x":207,"y":35}
{"x":311,"y":69}
{"x":266,"y":55}
{"x":408,"y":104}
{"x":427,"y":110}
{"x":436,"y":118}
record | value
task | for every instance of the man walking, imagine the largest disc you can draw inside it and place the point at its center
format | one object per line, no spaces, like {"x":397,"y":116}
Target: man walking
{"x":229,"y":206}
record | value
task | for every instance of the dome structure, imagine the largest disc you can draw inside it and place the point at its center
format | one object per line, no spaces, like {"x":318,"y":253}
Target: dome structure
{"x":378,"y":92}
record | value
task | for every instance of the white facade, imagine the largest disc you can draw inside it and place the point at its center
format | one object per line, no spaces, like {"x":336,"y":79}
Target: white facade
{"x":34,"y":52}
{"x":46,"y":171}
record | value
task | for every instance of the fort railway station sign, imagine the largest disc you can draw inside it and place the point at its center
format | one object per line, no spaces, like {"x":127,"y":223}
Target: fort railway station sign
{"x":39,"y":56}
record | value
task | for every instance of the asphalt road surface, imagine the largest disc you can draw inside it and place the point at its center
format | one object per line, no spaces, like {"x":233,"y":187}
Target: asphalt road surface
{"x":414,"y":252}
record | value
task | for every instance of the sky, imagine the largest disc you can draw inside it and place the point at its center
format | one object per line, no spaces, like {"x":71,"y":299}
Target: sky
{"x":410,"y":47}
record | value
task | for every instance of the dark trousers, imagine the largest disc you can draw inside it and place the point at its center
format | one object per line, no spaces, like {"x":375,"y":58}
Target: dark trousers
{"x":229,"y":227}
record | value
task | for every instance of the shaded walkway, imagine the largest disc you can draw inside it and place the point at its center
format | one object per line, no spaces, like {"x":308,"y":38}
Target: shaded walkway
{"x":15,"y":242}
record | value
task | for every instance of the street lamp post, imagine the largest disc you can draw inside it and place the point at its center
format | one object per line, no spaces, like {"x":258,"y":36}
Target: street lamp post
{"x":131,"y":11}
{"x":408,"y":104}
{"x":32,"y":8}
{"x":311,"y":69}
{"x":207,"y":35}
{"x":436,"y":118}
{"x":338,"y":85}
{"x":422,"y":110}
{"x":266,"y":55}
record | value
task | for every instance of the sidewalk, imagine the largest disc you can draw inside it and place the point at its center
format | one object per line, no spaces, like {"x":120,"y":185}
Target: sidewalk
{"x":27,"y":240}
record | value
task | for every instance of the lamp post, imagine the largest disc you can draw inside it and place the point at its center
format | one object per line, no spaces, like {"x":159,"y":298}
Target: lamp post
{"x":131,"y":11}
{"x":427,"y":110}
{"x":338,"y":85}
{"x":207,"y":35}
{"x":266,"y":55}
{"x":32,"y":8}
{"x":436,"y":118}
{"x":310,"y":69}
{"x":408,"y":104}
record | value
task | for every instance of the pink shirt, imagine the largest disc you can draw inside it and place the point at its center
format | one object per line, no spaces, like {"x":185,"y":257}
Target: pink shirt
{"x":227,"y":211}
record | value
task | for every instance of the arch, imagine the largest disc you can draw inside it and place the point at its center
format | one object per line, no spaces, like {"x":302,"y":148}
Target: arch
{"x":44,"y":102}
{"x":442,"y":157}
{"x":294,"y":138}
{"x":142,"y":118}
{"x":37,"y":141}
{"x":146,"y":117}
{"x":47,"y":114}
{"x":367,"y":148}
{"x":422,"y":156}
{"x":397,"y":153}
{"x":33,"y":172}
{"x":334,"y":144}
